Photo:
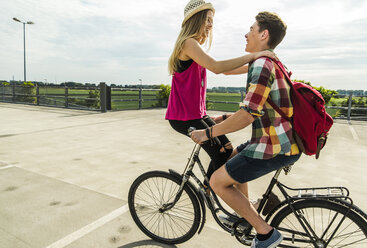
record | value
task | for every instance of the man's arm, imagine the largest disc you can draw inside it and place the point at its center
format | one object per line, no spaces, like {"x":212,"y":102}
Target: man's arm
{"x":237,"y":121}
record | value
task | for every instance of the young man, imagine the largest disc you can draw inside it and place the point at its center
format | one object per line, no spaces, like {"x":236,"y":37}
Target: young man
{"x":271,"y":146}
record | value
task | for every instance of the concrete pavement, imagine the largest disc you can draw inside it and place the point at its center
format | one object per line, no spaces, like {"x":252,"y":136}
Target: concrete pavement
{"x":65,"y":174}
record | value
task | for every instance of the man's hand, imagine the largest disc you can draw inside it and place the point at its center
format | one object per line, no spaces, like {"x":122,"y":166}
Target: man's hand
{"x":265,"y":54}
{"x":199,"y":136}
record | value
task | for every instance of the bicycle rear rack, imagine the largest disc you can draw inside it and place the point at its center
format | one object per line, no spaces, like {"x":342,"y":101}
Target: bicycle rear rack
{"x":319,"y":192}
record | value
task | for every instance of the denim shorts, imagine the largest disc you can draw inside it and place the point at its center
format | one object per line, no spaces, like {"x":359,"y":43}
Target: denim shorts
{"x":244,"y":169}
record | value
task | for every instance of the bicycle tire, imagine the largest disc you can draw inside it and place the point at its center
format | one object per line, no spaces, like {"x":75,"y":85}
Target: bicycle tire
{"x":148,"y":193}
{"x":319,"y":214}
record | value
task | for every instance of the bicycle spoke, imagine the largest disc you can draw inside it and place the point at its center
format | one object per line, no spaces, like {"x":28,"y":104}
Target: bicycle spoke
{"x":292,"y":227}
{"x":151,"y":195}
{"x":327,"y":223}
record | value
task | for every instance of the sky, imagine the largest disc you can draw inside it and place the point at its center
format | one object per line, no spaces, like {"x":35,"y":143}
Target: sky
{"x":120,"y":41}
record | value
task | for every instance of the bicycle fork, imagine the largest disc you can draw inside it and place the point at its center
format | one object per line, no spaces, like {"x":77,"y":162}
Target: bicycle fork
{"x":194,"y":157}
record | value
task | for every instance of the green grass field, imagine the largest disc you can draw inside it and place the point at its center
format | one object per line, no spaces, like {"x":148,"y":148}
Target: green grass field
{"x":124,"y":100}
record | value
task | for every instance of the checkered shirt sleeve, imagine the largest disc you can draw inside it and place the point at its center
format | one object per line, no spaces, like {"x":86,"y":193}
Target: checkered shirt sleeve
{"x":258,"y":87}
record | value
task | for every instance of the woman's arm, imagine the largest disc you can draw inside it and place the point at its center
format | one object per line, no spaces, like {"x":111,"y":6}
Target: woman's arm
{"x":239,"y":70}
{"x":193,"y":50}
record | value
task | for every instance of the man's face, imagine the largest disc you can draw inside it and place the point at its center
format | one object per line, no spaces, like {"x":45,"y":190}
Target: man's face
{"x":253,"y":38}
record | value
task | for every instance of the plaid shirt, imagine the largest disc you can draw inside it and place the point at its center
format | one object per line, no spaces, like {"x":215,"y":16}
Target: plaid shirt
{"x":271,"y":134}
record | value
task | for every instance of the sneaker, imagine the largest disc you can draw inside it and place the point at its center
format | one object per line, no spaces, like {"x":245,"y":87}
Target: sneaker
{"x":272,"y":242}
{"x":229,"y":221}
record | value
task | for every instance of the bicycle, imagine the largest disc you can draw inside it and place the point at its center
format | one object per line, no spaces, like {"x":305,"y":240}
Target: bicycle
{"x":169,"y":208}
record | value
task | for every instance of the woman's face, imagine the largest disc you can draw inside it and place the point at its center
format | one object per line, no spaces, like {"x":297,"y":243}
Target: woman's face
{"x":208,"y":25}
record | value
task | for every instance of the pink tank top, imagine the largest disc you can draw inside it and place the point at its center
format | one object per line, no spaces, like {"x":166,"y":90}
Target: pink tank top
{"x":188,"y":94}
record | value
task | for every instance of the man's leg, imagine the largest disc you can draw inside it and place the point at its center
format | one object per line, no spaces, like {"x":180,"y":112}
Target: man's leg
{"x":243,"y":187}
{"x":223,"y":186}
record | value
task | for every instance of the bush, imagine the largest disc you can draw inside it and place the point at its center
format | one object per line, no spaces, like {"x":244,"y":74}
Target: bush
{"x":326,"y":94}
{"x":26,"y":93}
{"x":163,"y":95}
{"x":92,"y":103}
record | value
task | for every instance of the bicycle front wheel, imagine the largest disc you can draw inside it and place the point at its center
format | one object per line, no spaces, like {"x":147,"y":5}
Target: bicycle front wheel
{"x":149,"y":193}
{"x":324,"y":221}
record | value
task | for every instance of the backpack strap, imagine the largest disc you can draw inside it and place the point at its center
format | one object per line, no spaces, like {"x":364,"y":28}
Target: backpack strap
{"x":275,"y":107}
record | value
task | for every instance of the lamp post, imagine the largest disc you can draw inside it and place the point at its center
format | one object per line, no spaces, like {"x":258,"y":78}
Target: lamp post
{"x":24,"y":23}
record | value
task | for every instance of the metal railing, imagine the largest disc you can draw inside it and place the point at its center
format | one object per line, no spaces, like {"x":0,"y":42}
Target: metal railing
{"x":133,"y":98}
{"x":103,"y":98}
{"x":85,"y":98}
{"x":349,"y":109}
{"x":97,"y":98}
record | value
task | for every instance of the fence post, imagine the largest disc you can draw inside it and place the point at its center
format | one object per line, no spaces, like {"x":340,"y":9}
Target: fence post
{"x":3,"y":86}
{"x":13,"y":92}
{"x":140,"y":97}
{"x":108,"y":98}
{"x":242,"y":96}
{"x":37,"y":94}
{"x":103,"y":96}
{"x":349,"y":105}
{"x":66,"y":96}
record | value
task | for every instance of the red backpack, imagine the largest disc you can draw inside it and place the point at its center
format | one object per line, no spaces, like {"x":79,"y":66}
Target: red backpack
{"x":310,"y":121}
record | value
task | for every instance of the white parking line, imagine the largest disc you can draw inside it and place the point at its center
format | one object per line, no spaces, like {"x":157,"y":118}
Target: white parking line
{"x":7,"y":167}
{"x":89,"y":228}
{"x":353,"y":131}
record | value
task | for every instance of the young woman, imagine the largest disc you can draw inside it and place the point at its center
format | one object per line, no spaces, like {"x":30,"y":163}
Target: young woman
{"x":187,"y":65}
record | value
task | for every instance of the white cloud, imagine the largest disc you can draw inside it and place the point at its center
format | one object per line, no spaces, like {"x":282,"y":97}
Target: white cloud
{"x":122,"y":41}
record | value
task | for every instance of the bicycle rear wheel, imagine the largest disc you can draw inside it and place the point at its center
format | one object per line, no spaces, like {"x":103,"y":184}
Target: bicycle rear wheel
{"x":322,"y":218}
{"x":147,"y":195}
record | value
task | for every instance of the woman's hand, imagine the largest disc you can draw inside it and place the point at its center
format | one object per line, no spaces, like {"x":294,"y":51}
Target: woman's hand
{"x":217,"y":119}
{"x":199,"y":136}
{"x":265,"y":54}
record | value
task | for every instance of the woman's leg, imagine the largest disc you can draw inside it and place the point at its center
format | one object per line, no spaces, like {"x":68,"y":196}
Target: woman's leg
{"x":216,"y":152}
{"x":219,"y":153}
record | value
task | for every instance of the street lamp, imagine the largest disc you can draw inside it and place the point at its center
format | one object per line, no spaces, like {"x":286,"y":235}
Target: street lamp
{"x":24,"y":23}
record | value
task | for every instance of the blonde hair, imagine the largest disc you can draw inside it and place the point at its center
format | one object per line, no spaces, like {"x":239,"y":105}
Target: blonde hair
{"x":191,"y":29}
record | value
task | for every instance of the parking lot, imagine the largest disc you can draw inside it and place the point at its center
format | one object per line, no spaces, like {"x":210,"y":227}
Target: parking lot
{"x":65,"y":174}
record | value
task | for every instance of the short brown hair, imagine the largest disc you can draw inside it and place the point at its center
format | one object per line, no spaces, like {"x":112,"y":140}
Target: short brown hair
{"x":276,"y":27}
